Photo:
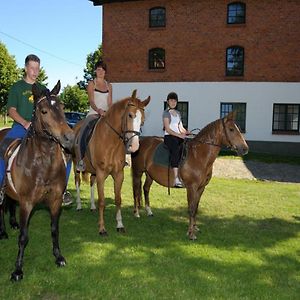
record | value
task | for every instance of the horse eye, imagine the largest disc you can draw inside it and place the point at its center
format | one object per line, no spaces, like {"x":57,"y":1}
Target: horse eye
{"x":231,"y":129}
{"x":44,"y":111}
{"x":131,"y":115}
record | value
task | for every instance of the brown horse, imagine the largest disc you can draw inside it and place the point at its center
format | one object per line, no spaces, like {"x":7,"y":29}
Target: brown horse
{"x":114,"y":134}
{"x":195,"y":171}
{"x":37,"y":169}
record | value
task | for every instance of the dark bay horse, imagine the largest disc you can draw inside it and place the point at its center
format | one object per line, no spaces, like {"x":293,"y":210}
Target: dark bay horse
{"x":114,"y":134}
{"x":196,"y":169}
{"x":37,"y":169}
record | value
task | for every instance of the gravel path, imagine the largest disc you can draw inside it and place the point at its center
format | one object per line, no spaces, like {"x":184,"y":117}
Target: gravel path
{"x":237,"y":168}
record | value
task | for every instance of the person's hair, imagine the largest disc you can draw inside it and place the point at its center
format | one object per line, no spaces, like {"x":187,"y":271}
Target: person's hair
{"x":172,"y":95}
{"x":100,"y":64}
{"x":32,"y":57}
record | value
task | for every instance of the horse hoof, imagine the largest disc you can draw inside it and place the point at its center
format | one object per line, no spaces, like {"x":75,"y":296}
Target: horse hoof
{"x":3,"y":235}
{"x":93,"y":209}
{"x":78,"y":209}
{"x":151,"y":215}
{"x":15,"y":226}
{"x":16,"y":276}
{"x":192,"y":237}
{"x":103,"y":233}
{"x":60,"y":261}
{"x":121,"y":230}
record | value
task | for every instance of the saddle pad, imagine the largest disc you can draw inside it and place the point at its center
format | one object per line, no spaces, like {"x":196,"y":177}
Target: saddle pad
{"x":85,"y":136}
{"x":161,"y":155}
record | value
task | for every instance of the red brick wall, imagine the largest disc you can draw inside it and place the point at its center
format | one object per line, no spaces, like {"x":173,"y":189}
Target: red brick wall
{"x":196,"y":37}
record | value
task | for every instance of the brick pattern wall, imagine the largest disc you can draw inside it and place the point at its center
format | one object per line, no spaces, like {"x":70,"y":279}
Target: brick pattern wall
{"x":196,"y":37}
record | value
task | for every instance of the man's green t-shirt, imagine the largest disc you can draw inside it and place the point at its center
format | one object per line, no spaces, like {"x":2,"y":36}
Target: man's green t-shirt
{"x":20,"y":97}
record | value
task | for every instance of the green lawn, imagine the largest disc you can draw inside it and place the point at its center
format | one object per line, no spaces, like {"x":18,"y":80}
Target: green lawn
{"x":248,"y":247}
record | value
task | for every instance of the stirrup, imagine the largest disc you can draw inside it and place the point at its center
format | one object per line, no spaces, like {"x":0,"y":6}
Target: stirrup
{"x":80,"y":166}
{"x":178,"y":183}
{"x":2,"y":195}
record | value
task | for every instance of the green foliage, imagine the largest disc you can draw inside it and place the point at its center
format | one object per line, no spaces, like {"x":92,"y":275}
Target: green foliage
{"x":42,"y":78}
{"x":9,"y":73}
{"x":74,"y":98}
{"x":248,"y":247}
{"x":91,"y":59}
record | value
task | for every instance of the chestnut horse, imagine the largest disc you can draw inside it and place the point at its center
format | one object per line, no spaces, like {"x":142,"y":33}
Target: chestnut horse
{"x":195,"y":171}
{"x":37,"y":169}
{"x":114,"y":134}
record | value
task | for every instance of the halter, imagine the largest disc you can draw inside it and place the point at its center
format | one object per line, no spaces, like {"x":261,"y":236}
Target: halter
{"x":124,"y":130}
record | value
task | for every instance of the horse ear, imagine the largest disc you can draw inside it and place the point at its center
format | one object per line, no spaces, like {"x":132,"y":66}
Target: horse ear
{"x":36,"y":92}
{"x":134,"y":94}
{"x":56,"y":89}
{"x":146,"y":102}
{"x":231,"y":116}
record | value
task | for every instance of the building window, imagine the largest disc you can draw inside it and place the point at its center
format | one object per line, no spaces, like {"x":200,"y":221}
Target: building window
{"x":240,"y":108}
{"x":183,"y":108}
{"x":236,"y":13}
{"x":235,"y":61}
{"x":286,"y":117}
{"x":157,"y":17}
{"x":156,"y":58}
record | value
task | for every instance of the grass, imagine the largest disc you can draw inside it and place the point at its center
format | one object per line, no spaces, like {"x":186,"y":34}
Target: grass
{"x":248,"y":248}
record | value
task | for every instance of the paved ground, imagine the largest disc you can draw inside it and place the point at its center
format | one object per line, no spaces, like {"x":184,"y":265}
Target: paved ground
{"x":237,"y":168}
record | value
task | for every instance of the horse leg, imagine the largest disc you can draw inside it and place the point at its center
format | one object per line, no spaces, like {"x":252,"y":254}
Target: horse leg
{"x":55,"y":210}
{"x":193,"y":196}
{"x":146,"y":188}
{"x":25,"y":210}
{"x":3,"y":234}
{"x":77,"y":184}
{"x":12,"y":214}
{"x":137,"y":192}
{"x":118,"y":181}
{"x":92,"y":191}
{"x":101,"y":201}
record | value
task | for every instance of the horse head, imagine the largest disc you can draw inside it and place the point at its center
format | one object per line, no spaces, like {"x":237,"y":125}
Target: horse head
{"x":48,"y":117}
{"x":134,"y":118}
{"x":232,"y":137}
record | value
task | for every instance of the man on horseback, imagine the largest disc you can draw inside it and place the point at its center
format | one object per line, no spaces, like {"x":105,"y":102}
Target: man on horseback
{"x":175,"y":134}
{"x":20,"y":107}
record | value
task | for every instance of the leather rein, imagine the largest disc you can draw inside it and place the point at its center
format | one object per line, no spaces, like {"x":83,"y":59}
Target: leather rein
{"x":124,"y":129}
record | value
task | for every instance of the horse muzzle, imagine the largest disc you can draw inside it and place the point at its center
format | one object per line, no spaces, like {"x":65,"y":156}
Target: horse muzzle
{"x":67,"y":140}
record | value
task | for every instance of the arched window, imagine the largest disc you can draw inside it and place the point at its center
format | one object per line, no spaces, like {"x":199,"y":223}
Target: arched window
{"x":157,"y":17}
{"x":156,"y":58}
{"x":235,"y":61}
{"x":236,"y":13}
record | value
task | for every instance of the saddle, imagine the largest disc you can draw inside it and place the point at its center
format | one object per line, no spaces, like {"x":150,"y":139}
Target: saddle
{"x":161,"y":154}
{"x":85,"y":135}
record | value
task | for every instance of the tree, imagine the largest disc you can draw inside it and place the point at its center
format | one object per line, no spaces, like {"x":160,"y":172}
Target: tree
{"x":42,"y":78}
{"x":91,"y":59}
{"x":74,"y":98}
{"x":9,"y":73}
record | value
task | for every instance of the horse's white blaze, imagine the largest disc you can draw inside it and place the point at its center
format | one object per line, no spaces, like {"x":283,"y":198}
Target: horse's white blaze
{"x":136,"y":127}
{"x":119,"y":219}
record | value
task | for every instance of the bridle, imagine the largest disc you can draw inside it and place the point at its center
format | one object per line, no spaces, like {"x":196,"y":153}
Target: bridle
{"x":45,"y":132}
{"x":218,"y":145}
{"x":124,"y":130}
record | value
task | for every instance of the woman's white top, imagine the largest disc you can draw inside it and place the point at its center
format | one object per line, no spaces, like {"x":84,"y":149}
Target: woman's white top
{"x":100,"y":99}
{"x":175,"y":121}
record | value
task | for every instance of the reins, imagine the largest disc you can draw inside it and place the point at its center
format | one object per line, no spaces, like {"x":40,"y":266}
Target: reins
{"x":124,"y":130}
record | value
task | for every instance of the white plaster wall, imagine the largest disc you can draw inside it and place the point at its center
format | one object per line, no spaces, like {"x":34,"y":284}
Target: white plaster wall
{"x":204,"y":103}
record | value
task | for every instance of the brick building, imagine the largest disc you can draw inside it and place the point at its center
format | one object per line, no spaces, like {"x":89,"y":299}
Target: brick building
{"x":218,"y":56}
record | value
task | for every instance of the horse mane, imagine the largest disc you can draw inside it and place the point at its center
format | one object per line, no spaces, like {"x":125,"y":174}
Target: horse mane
{"x":206,"y":133}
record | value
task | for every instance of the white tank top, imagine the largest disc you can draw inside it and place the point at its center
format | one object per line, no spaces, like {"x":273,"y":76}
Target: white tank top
{"x":100,"y":99}
{"x":174,"y":124}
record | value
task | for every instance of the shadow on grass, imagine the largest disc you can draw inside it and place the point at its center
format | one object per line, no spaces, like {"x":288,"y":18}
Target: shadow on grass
{"x":154,"y":259}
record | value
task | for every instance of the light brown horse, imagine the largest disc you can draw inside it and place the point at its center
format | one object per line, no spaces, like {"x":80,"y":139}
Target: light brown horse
{"x":37,"y":172}
{"x":114,"y":134}
{"x":195,"y":171}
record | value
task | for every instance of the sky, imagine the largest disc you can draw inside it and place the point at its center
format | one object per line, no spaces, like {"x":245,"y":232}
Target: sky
{"x":61,"y":32}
